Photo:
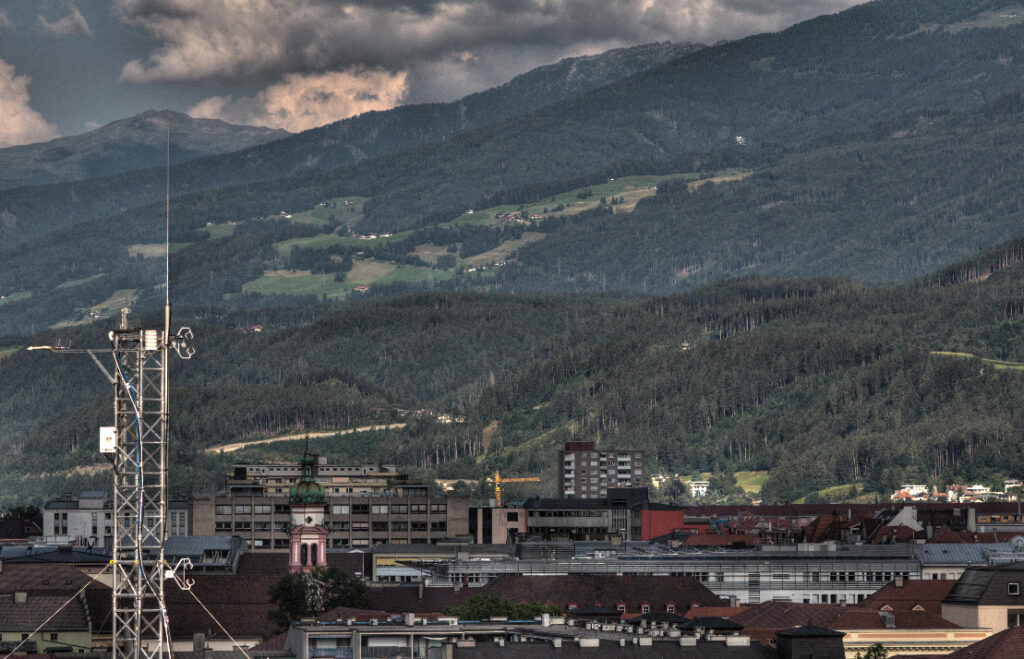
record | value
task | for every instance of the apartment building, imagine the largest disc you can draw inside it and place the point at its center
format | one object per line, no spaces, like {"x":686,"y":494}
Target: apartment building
{"x":88,"y":520}
{"x":587,"y":473}
{"x":365,"y":505}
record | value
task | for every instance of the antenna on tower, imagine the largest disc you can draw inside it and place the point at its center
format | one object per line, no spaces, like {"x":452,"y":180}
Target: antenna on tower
{"x":137,"y":444}
{"x":167,"y":242}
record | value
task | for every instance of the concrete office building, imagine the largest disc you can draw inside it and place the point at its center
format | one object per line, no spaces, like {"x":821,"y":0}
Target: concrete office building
{"x":365,"y":505}
{"x":587,"y":473}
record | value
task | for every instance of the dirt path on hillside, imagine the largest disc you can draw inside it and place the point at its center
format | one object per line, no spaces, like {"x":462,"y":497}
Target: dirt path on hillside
{"x":228,"y":448}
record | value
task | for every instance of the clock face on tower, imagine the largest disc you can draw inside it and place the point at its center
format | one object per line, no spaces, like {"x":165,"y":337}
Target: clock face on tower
{"x":309,"y":521}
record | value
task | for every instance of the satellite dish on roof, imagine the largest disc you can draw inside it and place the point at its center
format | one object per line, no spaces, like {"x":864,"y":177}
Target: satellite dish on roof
{"x":1017,"y":542}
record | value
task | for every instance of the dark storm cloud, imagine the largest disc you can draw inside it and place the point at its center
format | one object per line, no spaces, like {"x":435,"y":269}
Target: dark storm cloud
{"x":232,"y":39}
{"x":359,"y":55}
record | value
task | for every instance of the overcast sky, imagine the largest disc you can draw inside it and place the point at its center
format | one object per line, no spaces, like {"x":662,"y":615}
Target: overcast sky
{"x":67,"y":66}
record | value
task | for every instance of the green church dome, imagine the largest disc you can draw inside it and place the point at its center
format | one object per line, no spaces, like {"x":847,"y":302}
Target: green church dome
{"x":307,"y":490}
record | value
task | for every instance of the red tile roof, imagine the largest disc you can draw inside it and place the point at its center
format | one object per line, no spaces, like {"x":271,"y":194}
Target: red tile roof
{"x":605,"y":590}
{"x":41,"y":578}
{"x":865,"y":619}
{"x":719,"y":611}
{"x":926,"y":593}
{"x":26,"y":616}
{"x":949,"y":536}
{"x":893,"y":535}
{"x":1007,"y":644}
{"x":240,"y":603}
{"x":409,"y":599}
{"x":271,"y":644}
{"x":761,"y":621}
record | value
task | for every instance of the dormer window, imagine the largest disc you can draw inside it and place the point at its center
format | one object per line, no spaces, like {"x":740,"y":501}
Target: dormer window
{"x":1013,"y":588}
{"x":670,"y":608}
{"x":620,"y":607}
{"x":645,"y":608}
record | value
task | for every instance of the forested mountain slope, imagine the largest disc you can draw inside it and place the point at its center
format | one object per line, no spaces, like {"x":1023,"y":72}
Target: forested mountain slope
{"x":834,"y":73}
{"x":36,"y":210}
{"x":907,"y":197}
{"x":821,"y":381}
{"x":845,"y":73}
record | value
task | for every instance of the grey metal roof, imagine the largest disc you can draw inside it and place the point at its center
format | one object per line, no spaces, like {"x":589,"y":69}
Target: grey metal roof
{"x":943,"y":553}
{"x":48,"y":554}
{"x":443,"y":550}
{"x":93,"y":494}
{"x":182,"y":545}
{"x":970,"y":587}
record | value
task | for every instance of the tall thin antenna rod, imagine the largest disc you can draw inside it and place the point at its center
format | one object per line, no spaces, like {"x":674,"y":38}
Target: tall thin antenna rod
{"x":167,"y":226}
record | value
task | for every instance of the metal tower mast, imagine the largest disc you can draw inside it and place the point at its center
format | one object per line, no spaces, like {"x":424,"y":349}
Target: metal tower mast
{"x":138,"y":444}
{"x":140,"y":627}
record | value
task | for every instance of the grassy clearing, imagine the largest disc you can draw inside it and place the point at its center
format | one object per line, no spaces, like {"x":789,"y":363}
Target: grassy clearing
{"x":429,"y":252}
{"x":125,"y":297}
{"x":14,"y":297}
{"x":347,"y":210}
{"x":994,"y":363}
{"x":146,"y":250}
{"x":502,"y":251}
{"x":300,"y":282}
{"x":630,"y":188}
{"x":840,"y":493}
{"x":366,"y":271}
{"x":216,"y":231}
{"x":112,"y":306}
{"x":410,"y":274}
{"x":751,"y":481}
{"x":153,"y":250}
{"x":325,"y":240}
{"x":77,"y":282}
{"x":993,"y":18}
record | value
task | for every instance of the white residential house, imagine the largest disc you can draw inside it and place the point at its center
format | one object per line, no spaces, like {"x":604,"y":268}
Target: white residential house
{"x":698,"y":488}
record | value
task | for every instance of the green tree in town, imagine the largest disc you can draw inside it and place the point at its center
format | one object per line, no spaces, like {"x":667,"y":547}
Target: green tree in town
{"x":479,"y":607}
{"x":305,"y":594}
{"x":876,"y":651}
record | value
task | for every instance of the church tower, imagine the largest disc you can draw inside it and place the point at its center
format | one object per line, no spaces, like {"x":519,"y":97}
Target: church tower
{"x":308,"y":533}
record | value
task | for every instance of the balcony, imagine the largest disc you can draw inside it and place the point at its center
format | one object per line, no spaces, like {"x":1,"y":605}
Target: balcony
{"x":340,"y":653}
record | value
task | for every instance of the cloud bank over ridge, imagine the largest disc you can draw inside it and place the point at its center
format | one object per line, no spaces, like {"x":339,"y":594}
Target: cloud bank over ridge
{"x":21,"y":124}
{"x":411,"y":50}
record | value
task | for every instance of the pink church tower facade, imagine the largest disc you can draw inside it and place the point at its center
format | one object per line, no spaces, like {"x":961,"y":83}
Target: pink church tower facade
{"x":308,"y":549}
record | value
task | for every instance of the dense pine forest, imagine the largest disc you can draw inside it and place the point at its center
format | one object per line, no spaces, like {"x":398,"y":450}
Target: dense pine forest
{"x":822,"y":382}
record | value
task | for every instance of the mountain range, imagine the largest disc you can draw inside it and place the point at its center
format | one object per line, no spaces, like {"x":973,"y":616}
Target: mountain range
{"x":796,"y":253}
{"x":139,"y":142}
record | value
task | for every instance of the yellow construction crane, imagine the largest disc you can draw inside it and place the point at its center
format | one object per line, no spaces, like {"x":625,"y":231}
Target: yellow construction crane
{"x":498,"y":480}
